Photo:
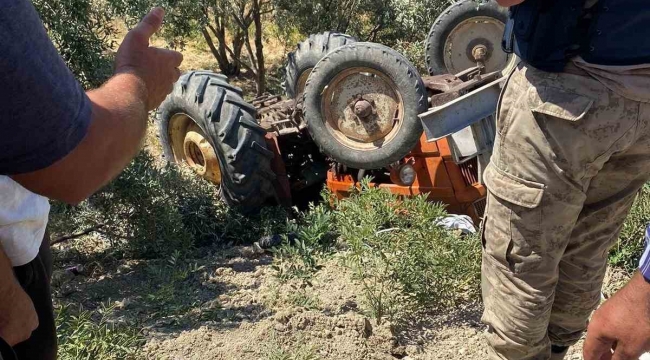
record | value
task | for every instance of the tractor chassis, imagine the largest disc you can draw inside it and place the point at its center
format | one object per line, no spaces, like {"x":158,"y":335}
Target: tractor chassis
{"x":448,"y":160}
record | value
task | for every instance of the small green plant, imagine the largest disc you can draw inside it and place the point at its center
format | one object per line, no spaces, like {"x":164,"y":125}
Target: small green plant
{"x":305,"y":300}
{"x":401,"y":257}
{"x":274,"y":351}
{"x":309,"y":238}
{"x":89,"y":335}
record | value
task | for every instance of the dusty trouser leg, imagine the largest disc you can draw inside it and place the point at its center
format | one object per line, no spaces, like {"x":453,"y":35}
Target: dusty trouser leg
{"x":582,"y":269}
{"x":555,"y":133}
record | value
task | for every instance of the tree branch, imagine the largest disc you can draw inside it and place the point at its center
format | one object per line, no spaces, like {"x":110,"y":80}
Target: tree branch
{"x":78,"y":235}
{"x":238,"y":60}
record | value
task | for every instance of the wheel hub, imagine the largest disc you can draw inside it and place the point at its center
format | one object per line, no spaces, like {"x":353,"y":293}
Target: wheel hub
{"x":477,"y":39}
{"x":362,"y":108}
{"x":191,"y":146}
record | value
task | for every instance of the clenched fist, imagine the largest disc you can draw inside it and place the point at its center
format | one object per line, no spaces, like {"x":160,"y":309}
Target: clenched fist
{"x":157,"y":68}
{"x":18,"y":317}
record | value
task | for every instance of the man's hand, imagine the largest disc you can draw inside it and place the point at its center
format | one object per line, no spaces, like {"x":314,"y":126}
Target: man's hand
{"x":18,"y":317}
{"x":144,"y":76}
{"x":157,"y":68}
{"x":622,"y":325}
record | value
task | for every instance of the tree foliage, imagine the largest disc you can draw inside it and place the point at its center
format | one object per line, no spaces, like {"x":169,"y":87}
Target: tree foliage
{"x":232,"y":29}
{"x":81,"y":31}
{"x":383,"y":21}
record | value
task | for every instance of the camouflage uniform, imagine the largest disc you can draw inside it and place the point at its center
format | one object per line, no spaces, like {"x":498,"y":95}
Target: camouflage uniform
{"x":569,"y":158}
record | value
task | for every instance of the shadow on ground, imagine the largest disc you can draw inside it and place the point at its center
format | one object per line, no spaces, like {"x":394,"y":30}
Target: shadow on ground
{"x":165,"y":296}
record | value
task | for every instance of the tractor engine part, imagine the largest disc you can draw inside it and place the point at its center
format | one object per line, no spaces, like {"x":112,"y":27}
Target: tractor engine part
{"x":362,"y":103}
{"x":466,"y":35}
{"x":302,"y":61}
{"x":206,"y":124}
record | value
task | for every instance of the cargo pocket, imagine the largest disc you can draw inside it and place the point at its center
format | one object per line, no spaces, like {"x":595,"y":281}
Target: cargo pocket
{"x":513,"y":234}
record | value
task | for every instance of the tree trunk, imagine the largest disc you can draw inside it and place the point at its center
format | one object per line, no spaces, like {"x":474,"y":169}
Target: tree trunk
{"x":223,"y":63}
{"x":259,"y":49}
{"x":227,"y":67}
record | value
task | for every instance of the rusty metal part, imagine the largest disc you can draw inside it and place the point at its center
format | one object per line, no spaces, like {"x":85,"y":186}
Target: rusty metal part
{"x":480,"y":53}
{"x":454,"y":87}
{"x":362,"y":85}
{"x":439,"y":84}
{"x":477,"y":39}
{"x":363,"y":109}
{"x":191,"y":146}
{"x":281,"y":117}
{"x":281,"y":182}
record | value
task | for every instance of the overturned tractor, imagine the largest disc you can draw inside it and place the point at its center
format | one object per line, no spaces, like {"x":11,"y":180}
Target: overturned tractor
{"x":352,"y":109}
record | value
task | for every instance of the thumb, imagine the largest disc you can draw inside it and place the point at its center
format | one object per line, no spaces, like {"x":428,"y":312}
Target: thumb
{"x":150,"y":24}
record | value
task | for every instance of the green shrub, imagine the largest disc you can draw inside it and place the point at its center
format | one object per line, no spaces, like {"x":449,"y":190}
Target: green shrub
{"x":152,"y":212}
{"x":81,"y":29}
{"x":89,"y":335}
{"x":402,"y":257}
{"x":308,"y":239}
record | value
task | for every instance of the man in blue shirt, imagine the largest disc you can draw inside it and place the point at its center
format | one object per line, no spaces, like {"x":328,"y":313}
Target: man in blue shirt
{"x":60,"y":142}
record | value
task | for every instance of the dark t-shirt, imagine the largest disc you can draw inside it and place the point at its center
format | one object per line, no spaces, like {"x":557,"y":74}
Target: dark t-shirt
{"x":44,"y":111}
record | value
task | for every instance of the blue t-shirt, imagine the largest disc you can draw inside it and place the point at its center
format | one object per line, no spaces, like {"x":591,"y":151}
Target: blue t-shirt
{"x":44,"y":111}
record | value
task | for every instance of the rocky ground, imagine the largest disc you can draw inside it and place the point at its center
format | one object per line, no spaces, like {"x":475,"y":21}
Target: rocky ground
{"x":230,"y":304}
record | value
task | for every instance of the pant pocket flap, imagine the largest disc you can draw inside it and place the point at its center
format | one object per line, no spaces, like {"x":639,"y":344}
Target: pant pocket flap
{"x":513,"y":189}
{"x":559,"y":103}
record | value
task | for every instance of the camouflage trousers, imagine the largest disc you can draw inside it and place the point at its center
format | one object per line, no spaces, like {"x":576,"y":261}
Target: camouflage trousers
{"x":569,"y":158}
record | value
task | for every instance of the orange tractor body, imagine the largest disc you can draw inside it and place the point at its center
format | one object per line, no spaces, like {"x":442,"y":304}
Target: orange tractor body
{"x":438,"y":177}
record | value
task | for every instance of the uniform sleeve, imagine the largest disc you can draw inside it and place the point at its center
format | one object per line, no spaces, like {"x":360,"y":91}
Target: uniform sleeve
{"x":44,"y":111}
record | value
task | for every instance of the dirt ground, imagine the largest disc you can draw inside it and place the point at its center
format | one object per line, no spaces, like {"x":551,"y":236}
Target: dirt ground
{"x":231,"y":305}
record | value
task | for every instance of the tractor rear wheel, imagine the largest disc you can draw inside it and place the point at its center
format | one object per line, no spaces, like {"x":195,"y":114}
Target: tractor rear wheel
{"x":302,"y":61}
{"x":362,"y":103}
{"x":464,"y":31}
{"x":205,"y":124}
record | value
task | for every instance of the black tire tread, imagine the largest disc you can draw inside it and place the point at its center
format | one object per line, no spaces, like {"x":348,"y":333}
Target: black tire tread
{"x":231,"y":127}
{"x":307,"y":54}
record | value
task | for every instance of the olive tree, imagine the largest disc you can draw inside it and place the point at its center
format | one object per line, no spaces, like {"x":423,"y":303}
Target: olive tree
{"x":232,"y":29}
{"x":81,"y":31}
{"x":384,"y":21}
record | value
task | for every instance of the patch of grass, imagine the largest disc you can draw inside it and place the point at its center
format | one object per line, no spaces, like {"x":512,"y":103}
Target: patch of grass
{"x":90,"y":335}
{"x":402,"y":258}
{"x":275,"y":351}
{"x":629,"y":247}
{"x":305,"y":300}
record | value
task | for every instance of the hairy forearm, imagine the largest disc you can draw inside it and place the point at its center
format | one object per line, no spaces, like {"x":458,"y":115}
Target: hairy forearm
{"x":119,"y":120}
{"x":508,"y":3}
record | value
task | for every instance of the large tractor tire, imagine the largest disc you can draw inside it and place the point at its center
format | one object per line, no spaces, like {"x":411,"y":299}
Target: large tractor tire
{"x":461,"y":31}
{"x":362,"y":103}
{"x":309,"y":52}
{"x":206,"y":124}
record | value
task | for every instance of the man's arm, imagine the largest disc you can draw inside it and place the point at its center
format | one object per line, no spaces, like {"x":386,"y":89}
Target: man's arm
{"x":144,"y":76}
{"x":508,"y":3}
{"x":18,"y":317}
